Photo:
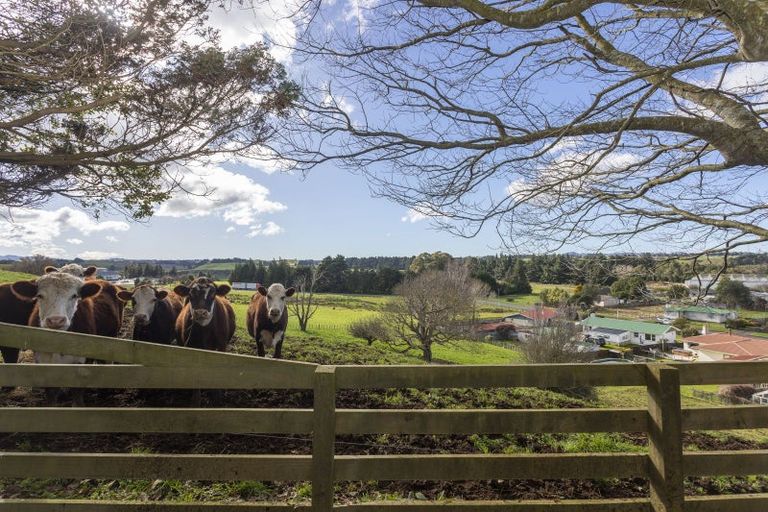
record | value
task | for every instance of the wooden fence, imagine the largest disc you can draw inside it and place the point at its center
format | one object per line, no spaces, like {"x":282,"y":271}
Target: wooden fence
{"x":151,"y":366}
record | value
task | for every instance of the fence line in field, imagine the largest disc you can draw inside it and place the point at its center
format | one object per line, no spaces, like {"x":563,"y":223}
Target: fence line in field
{"x":146,"y":365}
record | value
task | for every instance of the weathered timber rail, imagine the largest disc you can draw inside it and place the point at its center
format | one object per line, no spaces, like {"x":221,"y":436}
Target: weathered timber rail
{"x":163,"y":367}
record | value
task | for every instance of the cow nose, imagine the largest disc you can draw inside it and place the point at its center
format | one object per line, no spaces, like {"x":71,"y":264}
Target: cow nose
{"x":142,"y":319}
{"x":274,"y":312}
{"x":200,"y":313}
{"x":55,"y":322}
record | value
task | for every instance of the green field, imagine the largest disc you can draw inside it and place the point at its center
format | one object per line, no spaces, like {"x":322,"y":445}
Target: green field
{"x":6,"y":276}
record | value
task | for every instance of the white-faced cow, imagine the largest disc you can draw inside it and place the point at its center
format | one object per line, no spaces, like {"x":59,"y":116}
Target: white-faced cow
{"x":65,"y":303}
{"x":268,"y":317}
{"x":75,"y":269}
{"x":154,"y":313}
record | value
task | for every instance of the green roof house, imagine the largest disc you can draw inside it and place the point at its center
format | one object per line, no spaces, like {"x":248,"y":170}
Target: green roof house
{"x":700,"y":313}
{"x":622,"y":332}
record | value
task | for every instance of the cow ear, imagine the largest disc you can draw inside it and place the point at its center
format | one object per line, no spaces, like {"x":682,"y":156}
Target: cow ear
{"x":161,"y":294}
{"x":262,"y":291}
{"x":124,"y":295}
{"x":25,"y":290}
{"x":50,"y":269}
{"x":89,"y":290}
{"x":290,"y":291}
{"x":223,"y":289}
{"x":181,"y":290}
{"x":88,"y":272}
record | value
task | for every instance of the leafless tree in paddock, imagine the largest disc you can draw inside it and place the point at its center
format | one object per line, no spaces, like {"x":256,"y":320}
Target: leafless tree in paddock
{"x":554,"y":340}
{"x":556,"y":121}
{"x":435,"y":306}
{"x":303,"y":304}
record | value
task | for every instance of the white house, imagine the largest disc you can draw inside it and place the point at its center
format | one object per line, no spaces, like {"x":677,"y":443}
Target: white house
{"x":699,"y":313}
{"x":621,"y":332}
{"x":238,"y":285}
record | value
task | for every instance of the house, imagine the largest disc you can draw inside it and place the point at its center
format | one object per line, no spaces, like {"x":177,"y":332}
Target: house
{"x":699,"y":313}
{"x":620,"y":332}
{"x":723,"y":346}
{"x":529,"y":317}
{"x":607,"y":301}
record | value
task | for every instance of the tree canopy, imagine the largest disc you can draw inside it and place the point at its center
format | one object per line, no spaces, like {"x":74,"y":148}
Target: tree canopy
{"x":556,"y":121}
{"x":100,"y":100}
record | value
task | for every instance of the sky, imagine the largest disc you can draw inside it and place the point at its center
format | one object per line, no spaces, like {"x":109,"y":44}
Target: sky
{"x":255,"y":210}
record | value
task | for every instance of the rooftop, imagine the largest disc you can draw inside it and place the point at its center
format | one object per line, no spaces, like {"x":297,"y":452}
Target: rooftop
{"x":626,"y":325}
{"x":537,"y":313}
{"x":699,"y":309}
{"x":736,"y":346}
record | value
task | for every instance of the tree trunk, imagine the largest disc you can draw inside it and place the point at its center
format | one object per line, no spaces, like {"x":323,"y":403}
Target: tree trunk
{"x":427,"y":350}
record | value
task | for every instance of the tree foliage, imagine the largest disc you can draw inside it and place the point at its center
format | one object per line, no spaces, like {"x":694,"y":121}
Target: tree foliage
{"x":630,"y":288}
{"x":733,"y":293}
{"x":102,"y":100}
{"x":553,"y":297}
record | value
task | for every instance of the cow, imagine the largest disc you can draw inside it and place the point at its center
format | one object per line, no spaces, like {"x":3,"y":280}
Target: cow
{"x":87,"y":273}
{"x":65,"y":303}
{"x":154,"y":313}
{"x":206,"y":321}
{"x":13,"y":310}
{"x":267,"y":317}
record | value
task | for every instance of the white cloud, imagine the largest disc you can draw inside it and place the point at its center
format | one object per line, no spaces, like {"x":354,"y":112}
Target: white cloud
{"x":356,"y":10}
{"x":36,"y":230}
{"x":231,"y":229}
{"x":96,"y":255}
{"x":111,"y":238}
{"x":253,"y":22}
{"x":267,"y":229}
{"x":413,"y":216}
{"x":216,"y":191}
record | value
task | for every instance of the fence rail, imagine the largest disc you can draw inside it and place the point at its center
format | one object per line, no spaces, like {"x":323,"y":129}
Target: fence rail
{"x":151,"y":366}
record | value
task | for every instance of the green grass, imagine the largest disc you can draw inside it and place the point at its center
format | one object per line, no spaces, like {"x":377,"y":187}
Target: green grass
{"x":212,"y":266}
{"x":7,"y":276}
{"x":527,"y":300}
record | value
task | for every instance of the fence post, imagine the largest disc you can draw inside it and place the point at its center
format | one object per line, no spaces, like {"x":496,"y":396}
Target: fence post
{"x":665,"y":443}
{"x":323,"y":438}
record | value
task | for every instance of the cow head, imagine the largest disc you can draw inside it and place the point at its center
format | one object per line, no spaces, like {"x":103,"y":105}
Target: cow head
{"x":276,"y":297}
{"x":143,"y":298}
{"x":73,"y":269}
{"x":57,"y":296}
{"x":201,"y":295}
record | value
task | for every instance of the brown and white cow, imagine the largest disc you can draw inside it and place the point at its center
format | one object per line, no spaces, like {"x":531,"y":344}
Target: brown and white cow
{"x":13,"y":310}
{"x":267,"y":317}
{"x":65,"y":303}
{"x":154,"y":313}
{"x":75,"y":269}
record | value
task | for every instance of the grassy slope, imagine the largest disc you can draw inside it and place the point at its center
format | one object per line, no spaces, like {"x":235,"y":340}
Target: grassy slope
{"x":6,"y":276}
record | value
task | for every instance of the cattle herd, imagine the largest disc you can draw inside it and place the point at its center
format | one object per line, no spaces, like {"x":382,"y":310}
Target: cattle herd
{"x":197,"y":315}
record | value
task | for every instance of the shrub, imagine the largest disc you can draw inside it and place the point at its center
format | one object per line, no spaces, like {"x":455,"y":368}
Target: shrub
{"x":370,"y":329}
{"x":737,"y":392}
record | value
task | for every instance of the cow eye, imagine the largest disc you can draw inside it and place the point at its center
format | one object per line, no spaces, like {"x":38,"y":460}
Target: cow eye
{"x":39,"y":296}
{"x":74,"y":296}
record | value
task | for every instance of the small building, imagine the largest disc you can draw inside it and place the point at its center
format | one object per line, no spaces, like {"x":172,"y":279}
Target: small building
{"x":699,"y":313}
{"x":620,"y":332}
{"x":723,"y":346}
{"x":108,"y":275}
{"x":239,"y":285}
{"x":607,"y":301}
{"x":498,"y":331}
